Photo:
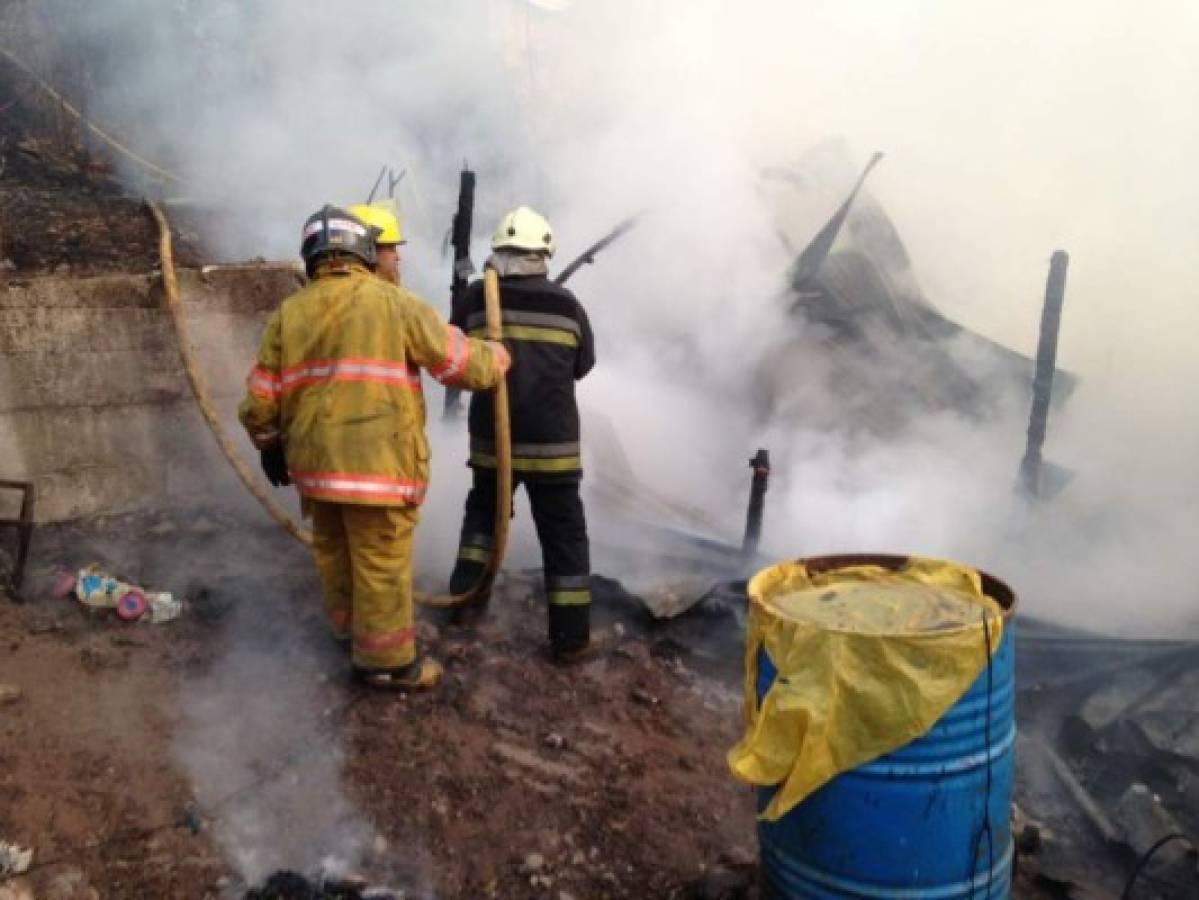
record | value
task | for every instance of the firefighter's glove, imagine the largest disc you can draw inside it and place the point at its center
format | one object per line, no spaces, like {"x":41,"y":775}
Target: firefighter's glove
{"x":274,"y":464}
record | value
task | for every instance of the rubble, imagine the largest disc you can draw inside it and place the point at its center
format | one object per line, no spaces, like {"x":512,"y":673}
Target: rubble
{"x":14,"y":859}
{"x":287,"y":885}
{"x":534,"y":862}
{"x":1115,"y":722}
{"x":1172,"y":733}
{"x":1026,"y":833}
{"x":1110,"y":703}
{"x":9,"y":694}
{"x":1143,"y":821}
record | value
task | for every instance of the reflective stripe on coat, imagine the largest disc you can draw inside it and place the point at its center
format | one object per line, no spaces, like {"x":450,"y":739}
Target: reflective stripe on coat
{"x":338,"y":375}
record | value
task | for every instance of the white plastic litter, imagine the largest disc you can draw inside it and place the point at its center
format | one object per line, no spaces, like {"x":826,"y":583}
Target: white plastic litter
{"x":14,"y":860}
{"x":163,"y":607}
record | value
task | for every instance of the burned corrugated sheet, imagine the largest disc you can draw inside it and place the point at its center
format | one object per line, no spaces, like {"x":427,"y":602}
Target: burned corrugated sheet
{"x":865,"y":332}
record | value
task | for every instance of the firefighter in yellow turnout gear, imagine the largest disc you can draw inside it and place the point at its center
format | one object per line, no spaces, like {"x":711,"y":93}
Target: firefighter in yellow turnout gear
{"x":335,"y":406}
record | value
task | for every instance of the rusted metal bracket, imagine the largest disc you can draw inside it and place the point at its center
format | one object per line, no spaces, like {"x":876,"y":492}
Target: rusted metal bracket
{"x":23,"y":525}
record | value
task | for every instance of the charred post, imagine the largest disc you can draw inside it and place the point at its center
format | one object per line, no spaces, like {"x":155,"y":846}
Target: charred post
{"x":760,"y":464}
{"x":463,"y":268}
{"x":1042,"y":386}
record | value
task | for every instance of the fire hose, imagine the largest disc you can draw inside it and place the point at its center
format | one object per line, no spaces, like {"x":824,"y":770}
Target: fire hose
{"x":200,"y":390}
{"x":204,"y":400}
{"x":175,"y":307}
{"x":503,"y":460}
{"x":503,"y":433}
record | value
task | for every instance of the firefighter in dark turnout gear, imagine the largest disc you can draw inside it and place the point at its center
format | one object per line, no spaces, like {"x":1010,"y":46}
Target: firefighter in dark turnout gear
{"x":549,"y":337}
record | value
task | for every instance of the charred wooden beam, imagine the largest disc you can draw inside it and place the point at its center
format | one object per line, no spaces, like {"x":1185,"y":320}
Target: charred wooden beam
{"x":1031,"y":467}
{"x":757,"y":503}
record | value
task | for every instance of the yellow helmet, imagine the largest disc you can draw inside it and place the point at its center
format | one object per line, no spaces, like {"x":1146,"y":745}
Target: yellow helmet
{"x":382,"y":216}
{"x":523,"y":229}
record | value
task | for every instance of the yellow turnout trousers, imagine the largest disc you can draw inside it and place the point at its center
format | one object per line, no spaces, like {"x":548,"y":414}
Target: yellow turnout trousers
{"x":364,"y":557}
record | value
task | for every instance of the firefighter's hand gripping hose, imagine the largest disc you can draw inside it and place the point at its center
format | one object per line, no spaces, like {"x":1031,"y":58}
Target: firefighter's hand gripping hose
{"x":200,"y":389}
{"x":503,"y":459}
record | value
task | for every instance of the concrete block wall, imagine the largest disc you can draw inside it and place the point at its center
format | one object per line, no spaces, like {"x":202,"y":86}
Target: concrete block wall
{"x":95,"y":407}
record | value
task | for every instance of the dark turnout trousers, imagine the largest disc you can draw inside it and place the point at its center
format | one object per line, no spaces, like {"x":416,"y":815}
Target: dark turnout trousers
{"x":562,"y":531}
{"x":549,"y":336}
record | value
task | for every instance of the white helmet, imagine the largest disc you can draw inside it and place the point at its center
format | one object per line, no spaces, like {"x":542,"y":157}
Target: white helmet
{"x":523,"y":229}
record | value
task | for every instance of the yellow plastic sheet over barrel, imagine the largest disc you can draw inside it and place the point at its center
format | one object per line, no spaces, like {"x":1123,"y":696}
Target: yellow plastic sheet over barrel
{"x":868,"y":659}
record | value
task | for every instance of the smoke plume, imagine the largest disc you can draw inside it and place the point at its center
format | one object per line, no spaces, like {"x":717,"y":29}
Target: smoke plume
{"x":1009,"y":132}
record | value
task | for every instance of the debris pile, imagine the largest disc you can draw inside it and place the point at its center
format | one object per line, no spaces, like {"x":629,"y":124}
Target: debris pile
{"x":607,"y":752}
{"x":1110,"y":757}
{"x":287,"y":885}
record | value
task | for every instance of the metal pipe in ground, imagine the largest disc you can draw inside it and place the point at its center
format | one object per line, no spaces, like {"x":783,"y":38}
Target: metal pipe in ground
{"x":1042,"y":386}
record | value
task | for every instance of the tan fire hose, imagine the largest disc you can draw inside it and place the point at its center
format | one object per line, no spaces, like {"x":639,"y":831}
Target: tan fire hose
{"x":503,"y":465}
{"x":503,"y":433}
{"x":204,"y":401}
{"x":200,"y":389}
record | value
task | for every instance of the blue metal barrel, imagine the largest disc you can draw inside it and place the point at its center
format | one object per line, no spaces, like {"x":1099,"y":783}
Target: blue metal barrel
{"x":930,"y":821}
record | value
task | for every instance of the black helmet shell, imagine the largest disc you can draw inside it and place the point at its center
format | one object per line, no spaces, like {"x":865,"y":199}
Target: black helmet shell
{"x":331,"y":232}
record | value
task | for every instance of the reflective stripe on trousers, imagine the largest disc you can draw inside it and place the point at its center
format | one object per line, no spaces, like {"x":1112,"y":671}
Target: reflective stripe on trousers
{"x":477,"y":547}
{"x":364,"y":558}
{"x":562,"y":531}
{"x":568,"y":590}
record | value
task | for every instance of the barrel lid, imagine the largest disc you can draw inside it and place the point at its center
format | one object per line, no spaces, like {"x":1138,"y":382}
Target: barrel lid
{"x":920,"y":596}
{"x":884,"y":605}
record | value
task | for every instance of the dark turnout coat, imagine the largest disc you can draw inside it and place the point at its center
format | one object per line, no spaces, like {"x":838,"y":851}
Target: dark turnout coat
{"x":548,"y":334}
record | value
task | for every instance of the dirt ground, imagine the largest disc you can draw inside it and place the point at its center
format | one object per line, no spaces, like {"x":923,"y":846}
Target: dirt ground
{"x":518,"y":779}
{"x":192,"y":759}
{"x":61,"y":213}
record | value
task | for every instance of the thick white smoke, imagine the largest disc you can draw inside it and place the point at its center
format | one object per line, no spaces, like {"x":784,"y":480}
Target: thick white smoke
{"x":1009,"y":132}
